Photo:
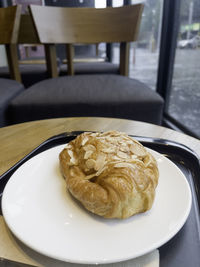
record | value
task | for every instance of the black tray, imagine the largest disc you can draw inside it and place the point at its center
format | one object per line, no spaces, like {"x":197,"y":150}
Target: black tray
{"x":183,"y":249}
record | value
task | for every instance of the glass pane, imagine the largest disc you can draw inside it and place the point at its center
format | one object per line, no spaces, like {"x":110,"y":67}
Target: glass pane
{"x":144,"y":53}
{"x":117,"y":3}
{"x":100,"y":3}
{"x":184,"y":104}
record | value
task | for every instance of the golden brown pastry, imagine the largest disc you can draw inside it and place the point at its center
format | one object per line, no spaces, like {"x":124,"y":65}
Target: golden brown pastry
{"x":110,"y":173}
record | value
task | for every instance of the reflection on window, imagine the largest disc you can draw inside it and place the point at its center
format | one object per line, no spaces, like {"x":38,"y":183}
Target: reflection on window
{"x":144,"y":53}
{"x":184,"y":103}
{"x":117,"y":3}
{"x":100,"y":3}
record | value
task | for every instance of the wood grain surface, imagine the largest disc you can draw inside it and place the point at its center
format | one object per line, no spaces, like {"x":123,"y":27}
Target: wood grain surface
{"x":58,"y":25}
{"x":86,"y":25}
{"x":9,"y":28}
{"x":9,"y":24}
{"x":27,"y":33}
{"x":18,"y":140}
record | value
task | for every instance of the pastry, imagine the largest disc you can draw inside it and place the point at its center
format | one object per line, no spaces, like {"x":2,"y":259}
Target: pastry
{"x":110,"y":173}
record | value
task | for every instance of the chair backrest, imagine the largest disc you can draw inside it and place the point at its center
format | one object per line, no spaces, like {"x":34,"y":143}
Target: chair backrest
{"x":86,"y":25}
{"x":9,"y":24}
{"x":61,"y":25}
{"x":9,"y":30}
{"x":27,"y":33}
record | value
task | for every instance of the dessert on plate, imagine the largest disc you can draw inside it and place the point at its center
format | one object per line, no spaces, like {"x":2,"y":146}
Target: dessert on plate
{"x":110,"y":173}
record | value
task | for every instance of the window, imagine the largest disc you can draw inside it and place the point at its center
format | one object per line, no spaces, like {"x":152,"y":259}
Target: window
{"x":144,"y":53}
{"x":184,"y":99}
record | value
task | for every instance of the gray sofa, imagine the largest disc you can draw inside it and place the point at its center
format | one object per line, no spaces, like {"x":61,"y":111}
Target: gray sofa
{"x":87,"y":95}
{"x":9,"y":89}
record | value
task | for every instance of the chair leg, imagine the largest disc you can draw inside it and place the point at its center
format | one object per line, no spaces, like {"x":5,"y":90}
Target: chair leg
{"x":13,"y":64}
{"x":124,"y":58}
{"x":70,"y":57}
{"x":51,"y":62}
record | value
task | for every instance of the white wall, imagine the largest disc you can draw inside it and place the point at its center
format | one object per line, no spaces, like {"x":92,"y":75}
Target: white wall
{"x":3,"y":59}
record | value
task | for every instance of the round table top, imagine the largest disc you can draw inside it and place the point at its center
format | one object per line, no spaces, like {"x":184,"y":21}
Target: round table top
{"x":18,"y":140}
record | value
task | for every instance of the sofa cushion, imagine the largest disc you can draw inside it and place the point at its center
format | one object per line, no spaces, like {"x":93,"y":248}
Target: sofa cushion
{"x":30,"y":73}
{"x":8,"y":90}
{"x":91,"y":68}
{"x":88,"y":95}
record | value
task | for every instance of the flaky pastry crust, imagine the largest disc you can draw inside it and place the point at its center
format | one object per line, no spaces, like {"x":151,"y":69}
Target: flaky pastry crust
{"x":110,"y":173}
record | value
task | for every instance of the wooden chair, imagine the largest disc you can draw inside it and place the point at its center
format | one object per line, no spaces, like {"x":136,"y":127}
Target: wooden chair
{"x":105,"y":95}
{"x":9,"y":28}
{"x":88,"y":59}
{"x":15,"y":29}
{"x":56,"y":25}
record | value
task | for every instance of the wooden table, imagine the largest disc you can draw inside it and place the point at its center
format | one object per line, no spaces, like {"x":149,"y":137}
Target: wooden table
{"x":18,"y":140}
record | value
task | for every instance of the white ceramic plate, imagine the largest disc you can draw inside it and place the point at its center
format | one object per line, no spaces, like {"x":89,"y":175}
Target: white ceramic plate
{"x":40,"y":213}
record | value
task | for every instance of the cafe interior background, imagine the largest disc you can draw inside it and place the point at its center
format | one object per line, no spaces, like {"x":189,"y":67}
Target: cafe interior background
{"x":168,"y":42}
